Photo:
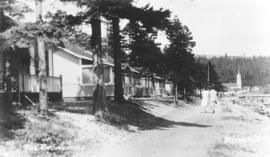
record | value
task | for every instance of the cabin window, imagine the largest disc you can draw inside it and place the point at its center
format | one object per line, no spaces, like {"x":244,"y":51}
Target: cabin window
{"x":107,"y":74}
{"x":127,"y":80}
{"x":86,"y":62}
{"x":87,"y":75}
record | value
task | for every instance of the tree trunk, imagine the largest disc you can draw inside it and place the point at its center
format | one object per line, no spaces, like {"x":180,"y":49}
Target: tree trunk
{"x":1,"y":19}
{"x":43,"y":105}
{"x":99,"y":102}
{"x":176,"y":92}
{"x":185,"y":94}
{"x":154,"y":86}
{"x":118,"y":90}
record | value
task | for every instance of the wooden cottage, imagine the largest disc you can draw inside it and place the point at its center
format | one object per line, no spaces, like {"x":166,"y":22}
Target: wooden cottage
{"x":75,"y":65}
{"x":137,"y":84}
{"x":69,"y":74}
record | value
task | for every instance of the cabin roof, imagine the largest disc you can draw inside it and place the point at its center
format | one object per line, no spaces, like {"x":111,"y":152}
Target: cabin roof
{"x":80,"y":52}
{"x":76,"y":50}
{"x":126,"y":66}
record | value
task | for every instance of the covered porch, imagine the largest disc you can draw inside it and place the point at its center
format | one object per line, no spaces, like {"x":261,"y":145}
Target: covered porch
{"x":18,"y":74}
{"x":134,"y":84}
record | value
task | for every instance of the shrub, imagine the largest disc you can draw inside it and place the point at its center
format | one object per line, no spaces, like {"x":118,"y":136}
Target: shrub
{"x":46,"y":136}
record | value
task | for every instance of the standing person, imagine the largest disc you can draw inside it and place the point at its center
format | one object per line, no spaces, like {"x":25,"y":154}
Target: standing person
{"x":205,"y":100}
{"x":213,"y":100}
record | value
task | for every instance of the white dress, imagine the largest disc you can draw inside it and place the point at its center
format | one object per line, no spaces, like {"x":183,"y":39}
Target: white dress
{"x":205,"y":98}
{"x":213,"y":97}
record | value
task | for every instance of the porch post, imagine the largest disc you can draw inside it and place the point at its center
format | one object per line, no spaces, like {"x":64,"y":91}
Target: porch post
{"x":164,"y":84}
{"x":176,"y":93}
{"x":7,"y":64}
{"x":131,"y":83}
{"x":61,"y":87}
{"x":19,"y":91}
{"x":148,"y":86}
{"x":50,"y":61}
{"x":124,"y":84}
{"x":123,"y":78}
{"x":154,"y":85}
{"x":32,"y":68}
{"x":8,"y":85}
{"x":111,"y":75}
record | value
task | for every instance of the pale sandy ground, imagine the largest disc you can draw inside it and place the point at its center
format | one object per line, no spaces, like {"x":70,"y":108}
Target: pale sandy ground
{"x":233,"y":131}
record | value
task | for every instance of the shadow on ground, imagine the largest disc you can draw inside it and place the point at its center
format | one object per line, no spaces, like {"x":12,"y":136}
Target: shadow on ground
{"x":9,"y":120}
{"x":73,"y":107}
{"x":135,"y":114}
{"x":129,"y":113}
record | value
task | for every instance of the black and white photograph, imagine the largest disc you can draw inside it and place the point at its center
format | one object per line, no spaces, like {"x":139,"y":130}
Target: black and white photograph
{"x":134,"y":78}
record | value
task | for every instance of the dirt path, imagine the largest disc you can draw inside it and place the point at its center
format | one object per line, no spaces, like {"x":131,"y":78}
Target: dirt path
{"x":228,"y":132}
{"x":158,"y":129}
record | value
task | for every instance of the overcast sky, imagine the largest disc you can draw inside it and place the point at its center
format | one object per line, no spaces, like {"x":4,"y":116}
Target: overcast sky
{"x":235,"y":27}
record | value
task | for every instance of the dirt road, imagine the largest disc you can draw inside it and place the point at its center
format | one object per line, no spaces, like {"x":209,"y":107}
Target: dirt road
{"x":157,"y":129}
{"x":231,"y":131}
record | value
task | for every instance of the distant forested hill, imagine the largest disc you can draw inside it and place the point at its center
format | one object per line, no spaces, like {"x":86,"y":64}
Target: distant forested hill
{"x":254,"y":70}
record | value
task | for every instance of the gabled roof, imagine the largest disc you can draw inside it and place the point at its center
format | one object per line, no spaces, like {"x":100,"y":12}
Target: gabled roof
{"x":80,"y":52}
{"x":127,"y":67}
{"x":75,"y":50}
{"x":157,"y":77}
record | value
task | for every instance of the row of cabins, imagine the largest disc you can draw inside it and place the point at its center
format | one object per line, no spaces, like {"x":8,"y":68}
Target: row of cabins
{"x":70,"y":74}
{"x":137,"y":85}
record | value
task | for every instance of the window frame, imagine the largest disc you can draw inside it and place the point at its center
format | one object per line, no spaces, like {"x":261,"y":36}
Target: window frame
{"x":91,"y":66}
{"x":82,"y":67}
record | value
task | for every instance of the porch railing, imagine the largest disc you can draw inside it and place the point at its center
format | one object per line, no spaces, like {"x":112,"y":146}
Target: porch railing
{"x":138,"y":90}
{"x":2,"y":86}
{"x":110,"y":89}
{"x":30,"y":84}
{"x":128,"y":89}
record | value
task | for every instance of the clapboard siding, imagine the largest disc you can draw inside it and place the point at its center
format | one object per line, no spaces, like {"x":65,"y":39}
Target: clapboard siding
{"x":70,"y":90}
{"x":76,"y":90}
{"x":69,"y":67}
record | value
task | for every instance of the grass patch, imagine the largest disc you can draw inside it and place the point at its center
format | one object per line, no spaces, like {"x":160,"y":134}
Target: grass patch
{"x":222,"y":149}
{"x":44,"y":136}
{"x":235,"y":118}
